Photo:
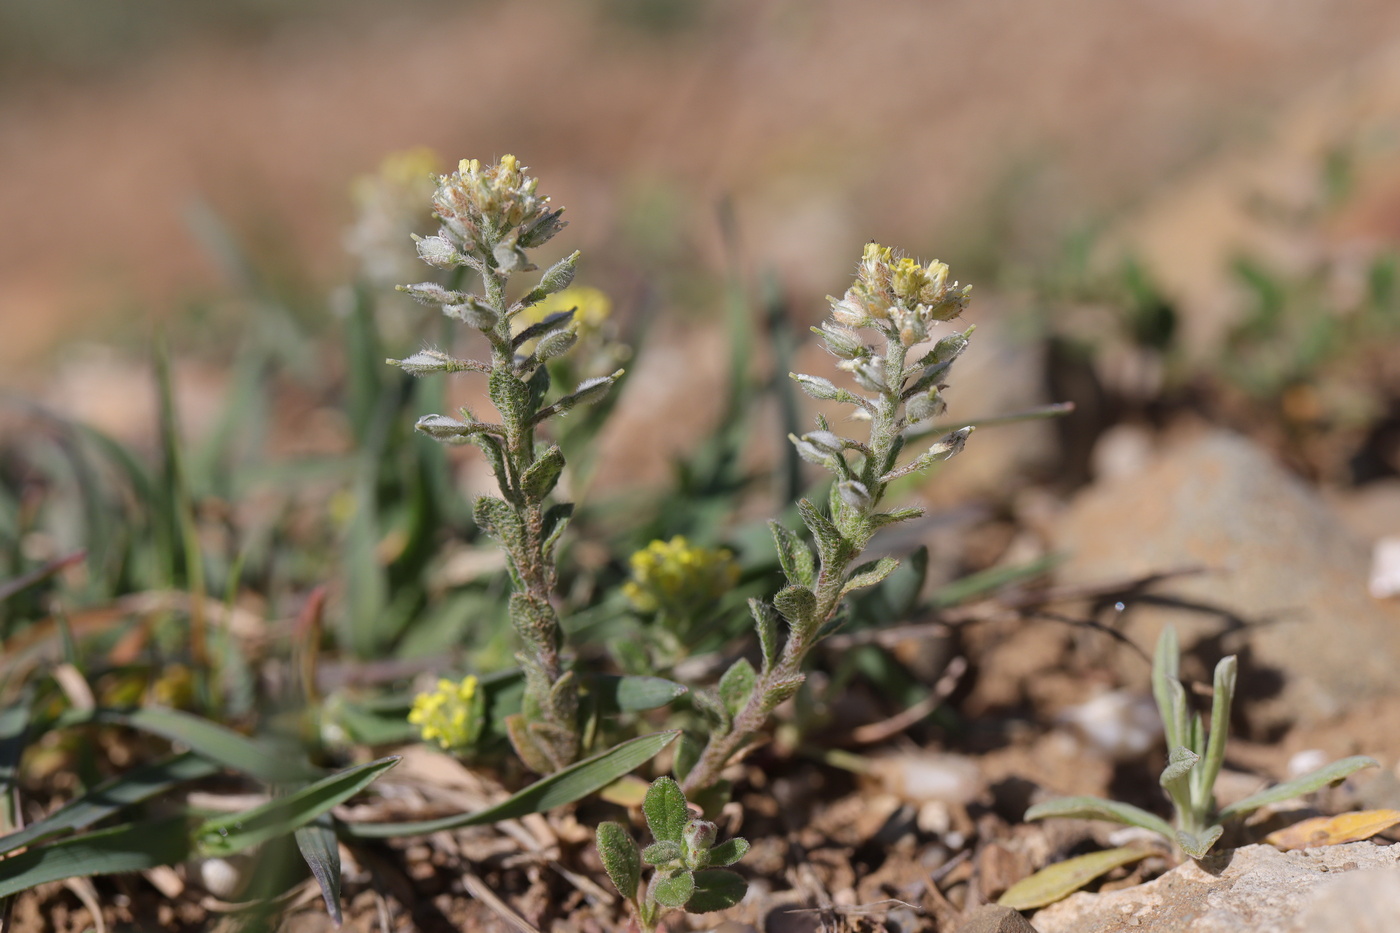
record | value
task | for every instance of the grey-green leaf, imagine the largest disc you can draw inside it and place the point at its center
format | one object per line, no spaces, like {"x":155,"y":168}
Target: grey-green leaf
{"x":797,"y":604}
{"x":765,"y":622}
{"x":499,"y":520}
{"x":635,"y":693}
{"x":869,"y":574}
{"x":729,"y":851}
{"x":542,"y":476}
{"x":716,"y":889}
{"x":736,"y":685}
{"x":798,"y":563}
{"x":1306,"y":784}
{"x":1094,"y":808}
{"x":235,"y":832}
{"x":1197,"y":845}
{"x":1058,"y":881}
{"x":659,"y":853}
{"x":565,"y":786}
{"x":673,"y":891}
{"x":665,"y":810}
{"x":619,"y":855}
{"x":319,"y":848}
{"x":1179,"y":765}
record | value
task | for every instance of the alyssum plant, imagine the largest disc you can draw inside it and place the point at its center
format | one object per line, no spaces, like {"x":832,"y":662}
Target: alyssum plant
{"x":491,"y":216}
{"x":1194,"y":759}
{"x":873,"y":331}
{"x":689,"y":871}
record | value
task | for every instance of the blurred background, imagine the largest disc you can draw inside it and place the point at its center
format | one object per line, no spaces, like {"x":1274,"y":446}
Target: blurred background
{"x":1172,"y":213}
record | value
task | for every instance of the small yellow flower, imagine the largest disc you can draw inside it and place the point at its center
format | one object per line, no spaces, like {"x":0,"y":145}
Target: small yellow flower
{"x":592,"y":308}
{"x":452,"y":715}
{"x":673,"y":575}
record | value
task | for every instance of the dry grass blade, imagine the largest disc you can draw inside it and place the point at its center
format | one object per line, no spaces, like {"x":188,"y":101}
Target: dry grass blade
{"x":478,"y":889}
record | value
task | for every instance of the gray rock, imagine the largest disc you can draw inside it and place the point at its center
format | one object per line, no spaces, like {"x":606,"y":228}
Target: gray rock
{"x":992,"y":918}
{"x":1351,"y":888}
{"x":1278,"y":557}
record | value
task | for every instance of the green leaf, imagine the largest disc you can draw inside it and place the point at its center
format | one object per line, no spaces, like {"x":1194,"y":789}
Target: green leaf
{"x":318,"y":846}
{"x":1203,"y":781}
{"x":1306,"y":784}
{"x":206,"y":739}
{"x":110,"y":796}
{"x":1197,"y":845}
{"x":634,"y":693}
{"x":797,"y":604}
{"x":225,"y":835}
{"x":619,"y":855}
{"x":869,"y":574}
{"x":830,"y":545}
{"x":1166,"y":660}
{"x":130,"y":847}
{"x":665,"y":810}
{"x":511,"y":398}
{"x":688,"y":751}
{"x":736,"y":685}
{"x":659,"y":853}
{"x":794,"y":555}
{"x":716,"y":889}
{"x":1094,"y":808}
{"x":14,"y":724}
{"x":673,"y":891}
{"x":1062,"y":879}
{"x":894,"y":516}
{"x":729,"y":851}
{"x":498,"y":519}
{"x":1178,"y":768}
{"x":765,"y":621}
{"x":565,"y":786}
{"x":539,"y":480}
{"x":782,"y":690}
{"x":556,"y":519}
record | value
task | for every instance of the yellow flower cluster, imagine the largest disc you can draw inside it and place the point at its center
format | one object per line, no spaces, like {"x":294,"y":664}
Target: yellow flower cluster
{"x":451,"y":715}
{"x":673,"y":575}
{"x":902,"y":292}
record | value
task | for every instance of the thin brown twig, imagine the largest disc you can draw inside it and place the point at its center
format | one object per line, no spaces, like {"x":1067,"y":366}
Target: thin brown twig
{"x":875,"y":732}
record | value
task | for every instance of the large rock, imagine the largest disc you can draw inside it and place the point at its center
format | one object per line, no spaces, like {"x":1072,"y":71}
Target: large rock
{"x":1277,"y":558}
{"x":1338,"y":889}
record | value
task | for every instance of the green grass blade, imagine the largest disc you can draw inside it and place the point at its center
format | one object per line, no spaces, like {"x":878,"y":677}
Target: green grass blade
{"x":235,"y":832}
{"x":207,"y":739}
{"x":1093,"y":808}
{"x":131,"y":847}
{"x":1303,"y":785}
{"x":319,"y":847}
{"x":110,"y":796}
{"x":572,"y":783}
{"x":14,"y":724}
{"x":1062,"y":879}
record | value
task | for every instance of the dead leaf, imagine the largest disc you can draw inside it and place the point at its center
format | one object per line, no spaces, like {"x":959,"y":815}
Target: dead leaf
{"x":1333,"y":830}
{"x":1062,"y":879}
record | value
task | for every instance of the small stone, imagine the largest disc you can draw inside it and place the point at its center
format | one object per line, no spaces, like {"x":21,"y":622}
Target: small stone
{"x":993,"y":918}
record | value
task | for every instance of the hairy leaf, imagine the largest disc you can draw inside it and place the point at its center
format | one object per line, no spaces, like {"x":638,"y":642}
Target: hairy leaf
{"x":729,"y":852}
{"x":765,"y":621}
{"x":1093,"y":808}
{"x":620,"y":860}
{"x":665,"y":810}
{"x":1306,"y":784}
{"x":673,"y":891}
{"x":1197,"y":845}
{"x":716,"y":889}
{"x":542,"y":476}
{"x":869,"y":574}
{"x":658,"y":853}
{"x":797,"y":604}
{"x":736,"y":685}
{"x":794,"y":555}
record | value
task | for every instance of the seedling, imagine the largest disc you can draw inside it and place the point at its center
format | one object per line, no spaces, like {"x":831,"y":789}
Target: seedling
{"x":1193,"y":764}
{"x":689,"y":868}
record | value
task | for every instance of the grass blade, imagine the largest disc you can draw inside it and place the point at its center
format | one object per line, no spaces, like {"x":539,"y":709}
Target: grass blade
{"x":572,"y":783}
{"x":228,"y":834}
{"x":131,"y":847}
{"x":319,"y":847}
{"x":110,"y":796}
{"x":207,"y":739}
{"x":14,"y":723}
